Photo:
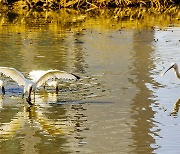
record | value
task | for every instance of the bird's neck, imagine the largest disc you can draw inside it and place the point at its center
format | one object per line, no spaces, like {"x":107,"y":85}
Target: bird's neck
{"x":29,"y":92}
{"x":177,"y":73}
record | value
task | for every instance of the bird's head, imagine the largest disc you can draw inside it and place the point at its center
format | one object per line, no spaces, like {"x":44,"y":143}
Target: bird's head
{"x":30,"y":88}
{"x":173,"y":65}
{"x":29,"y":101}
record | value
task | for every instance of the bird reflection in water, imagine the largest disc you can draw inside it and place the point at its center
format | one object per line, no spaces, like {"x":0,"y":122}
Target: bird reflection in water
{"x":34,"y":116}
{"x":177,"y":104}
{"x":176,"y":108}
{"x":38,"y":79}
{"x":67,"y":119}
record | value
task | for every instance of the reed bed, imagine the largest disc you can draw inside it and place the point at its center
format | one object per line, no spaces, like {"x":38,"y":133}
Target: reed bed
{"x":41,"y":5}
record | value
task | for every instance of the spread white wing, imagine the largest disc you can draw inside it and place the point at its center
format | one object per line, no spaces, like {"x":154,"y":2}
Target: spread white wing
{"x":36,"y":74}
{"x":13,"y":74}
{"x":55,"y":74}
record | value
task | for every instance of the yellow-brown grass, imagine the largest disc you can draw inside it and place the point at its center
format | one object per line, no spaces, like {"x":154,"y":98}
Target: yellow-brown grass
{"x":92,"y":4}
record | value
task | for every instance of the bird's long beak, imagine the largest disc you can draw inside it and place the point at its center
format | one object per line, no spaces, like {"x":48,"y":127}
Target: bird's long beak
{"x":3,"y":90}
{"x":168,"y":70}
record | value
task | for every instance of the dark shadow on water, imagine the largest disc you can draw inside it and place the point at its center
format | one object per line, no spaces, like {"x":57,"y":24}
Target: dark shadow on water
{"x":71,"y":102}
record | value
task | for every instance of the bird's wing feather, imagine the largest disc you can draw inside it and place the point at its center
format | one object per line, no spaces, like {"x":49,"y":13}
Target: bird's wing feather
{"x":55,"y":74}
{"x":14,"y":74}
{"x":36,"y":74}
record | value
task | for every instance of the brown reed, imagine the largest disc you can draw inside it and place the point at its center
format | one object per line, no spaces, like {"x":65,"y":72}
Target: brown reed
{"x":92,"y":4}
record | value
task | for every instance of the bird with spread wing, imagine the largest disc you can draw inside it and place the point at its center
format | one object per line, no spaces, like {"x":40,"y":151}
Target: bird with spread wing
{"x":36,"y":74}
{"x":31,"y":85}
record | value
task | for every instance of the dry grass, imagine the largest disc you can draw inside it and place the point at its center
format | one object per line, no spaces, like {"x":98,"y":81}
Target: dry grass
{"x":92,"y":4}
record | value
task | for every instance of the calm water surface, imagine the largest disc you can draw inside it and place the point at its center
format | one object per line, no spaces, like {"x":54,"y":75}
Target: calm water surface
{"x":120,"y":104}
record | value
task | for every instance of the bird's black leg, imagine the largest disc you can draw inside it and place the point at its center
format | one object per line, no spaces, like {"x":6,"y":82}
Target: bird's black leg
{"x":22,"y":95}
{"x":29,"y":97}
{"x":3,"y":90}
{"x":57,"y":89}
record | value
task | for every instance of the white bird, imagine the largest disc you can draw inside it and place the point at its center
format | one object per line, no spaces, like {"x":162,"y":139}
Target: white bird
{"x":36,"y":74}
{"x":30,"y":85}
{"x":53,"y":84}
{"x":176,"y":70}
{"x":2,"y":86}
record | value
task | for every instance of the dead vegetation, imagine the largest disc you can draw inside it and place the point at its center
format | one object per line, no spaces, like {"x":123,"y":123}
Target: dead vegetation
{"x":41,"y":5}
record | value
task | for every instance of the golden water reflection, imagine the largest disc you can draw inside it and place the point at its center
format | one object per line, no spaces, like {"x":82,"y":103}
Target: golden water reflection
{"x":110,"y":109}
{"x":33,"y":125}
{"x":76,"y":20}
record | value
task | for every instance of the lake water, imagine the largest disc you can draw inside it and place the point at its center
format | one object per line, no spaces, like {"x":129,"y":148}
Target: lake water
{"x":120,"y":105}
